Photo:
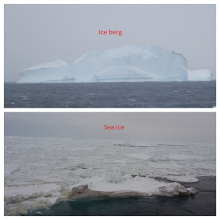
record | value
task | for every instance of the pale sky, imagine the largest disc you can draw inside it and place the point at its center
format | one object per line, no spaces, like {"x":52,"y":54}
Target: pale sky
{"x":150,"y":127}
{"x":35,"y":34}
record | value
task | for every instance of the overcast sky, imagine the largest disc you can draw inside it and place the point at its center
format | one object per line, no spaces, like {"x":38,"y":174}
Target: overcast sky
{"x":155,"y":127}
{"x":36,"y":34}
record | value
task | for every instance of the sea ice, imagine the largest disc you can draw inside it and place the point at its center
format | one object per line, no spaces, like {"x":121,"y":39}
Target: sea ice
{"x":186,"y":179}
{"x":38,"y":171}
{"x":145,"y":185}
{"x":24,"y":192}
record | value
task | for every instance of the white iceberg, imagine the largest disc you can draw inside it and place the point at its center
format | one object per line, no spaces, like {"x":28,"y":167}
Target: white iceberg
{"x":56,"y":71}
{"x":130,"y":63}
{"x":199,"y":75}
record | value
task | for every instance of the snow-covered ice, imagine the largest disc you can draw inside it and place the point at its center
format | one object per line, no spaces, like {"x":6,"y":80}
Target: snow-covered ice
{"x":23,"y":192}
{"x":144,"y":185}
{"x":41,"y":171}
{"x":130,"y":63}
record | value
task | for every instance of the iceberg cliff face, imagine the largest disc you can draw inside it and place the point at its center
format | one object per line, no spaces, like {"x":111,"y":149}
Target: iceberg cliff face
{"x":131,"y":63}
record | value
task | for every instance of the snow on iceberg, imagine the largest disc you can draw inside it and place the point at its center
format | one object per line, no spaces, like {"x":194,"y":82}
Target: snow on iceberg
{"x":130,"y":63}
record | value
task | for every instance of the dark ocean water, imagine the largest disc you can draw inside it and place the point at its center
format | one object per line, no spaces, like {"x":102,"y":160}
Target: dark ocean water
{"x":203,"y":203}
{"x":111,"y":95}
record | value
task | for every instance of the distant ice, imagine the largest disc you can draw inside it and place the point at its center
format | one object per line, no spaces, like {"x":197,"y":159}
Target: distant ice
{"x":199,"y":75}
{"x":139,"y":156}
{"x":189,"y":179}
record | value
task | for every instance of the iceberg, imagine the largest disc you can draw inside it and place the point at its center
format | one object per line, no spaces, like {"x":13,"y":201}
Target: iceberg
{"x":199,"y":75}
{"x":130,"y":63}
{"x":56,"y":71}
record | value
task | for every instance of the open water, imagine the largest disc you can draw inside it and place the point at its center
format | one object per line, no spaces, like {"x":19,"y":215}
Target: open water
{"x":111,"y":95}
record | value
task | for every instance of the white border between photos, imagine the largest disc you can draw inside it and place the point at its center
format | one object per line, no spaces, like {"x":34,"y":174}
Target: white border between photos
{"x":103,"y":109}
